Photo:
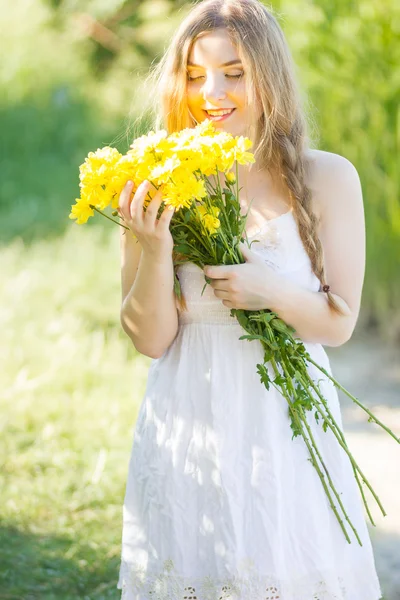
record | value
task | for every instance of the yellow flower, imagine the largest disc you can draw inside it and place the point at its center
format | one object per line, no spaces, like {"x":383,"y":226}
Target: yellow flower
{"x":230,"y":177}
{"x":107,"y":155}
{"x":179,"y":162}
{"x":148,"y":143}
{"x":96,"y":195}
{"x":209,"y":218}
{"x":95,"y":175}
{"x":241,"y":155}
{"x":81,"y":211}
{"x":98,"y":166}
{"x":163,"y":172}
{"x":206,"y":127}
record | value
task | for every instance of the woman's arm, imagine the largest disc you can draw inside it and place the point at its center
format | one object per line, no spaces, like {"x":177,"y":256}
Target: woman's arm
{"x":148,"y":312}
{"x":337,"y":192}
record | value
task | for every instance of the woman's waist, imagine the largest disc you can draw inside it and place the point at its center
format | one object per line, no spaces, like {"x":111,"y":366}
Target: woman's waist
{"x":212,"y":314}
{"x":221,"y":316}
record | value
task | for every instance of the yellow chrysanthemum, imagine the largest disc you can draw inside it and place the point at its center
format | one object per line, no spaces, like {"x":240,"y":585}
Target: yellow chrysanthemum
{"x":148,"y":143}
{"x":163,"y":172}
{"x":103,"y":156}
{"x":96,"y":195}
{"x":81,"y":211}
{"x":174,"y":161}
{"x":98,"y":166}
{"x":230,"y":177}
{"x":183,"y":190}
{"x":209,"y":218}
{"x":241,"y":155}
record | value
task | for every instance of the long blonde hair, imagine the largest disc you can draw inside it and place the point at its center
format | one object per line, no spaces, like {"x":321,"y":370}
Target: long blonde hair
{"x":280,"y":134}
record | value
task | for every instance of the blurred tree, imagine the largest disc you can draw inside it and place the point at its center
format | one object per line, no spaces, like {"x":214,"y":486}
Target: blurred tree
{"x":117,"y":26}
{"x":349,"y":59}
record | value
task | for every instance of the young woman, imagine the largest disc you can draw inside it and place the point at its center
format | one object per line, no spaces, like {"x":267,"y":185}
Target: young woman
{"x":221,"y":502}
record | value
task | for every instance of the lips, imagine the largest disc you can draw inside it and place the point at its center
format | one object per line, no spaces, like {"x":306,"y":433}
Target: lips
{"x":218,"y":110}
{"x":219,"y":117}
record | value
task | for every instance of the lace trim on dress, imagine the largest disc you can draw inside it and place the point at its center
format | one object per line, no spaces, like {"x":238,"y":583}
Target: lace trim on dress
{"x":138,"y":583}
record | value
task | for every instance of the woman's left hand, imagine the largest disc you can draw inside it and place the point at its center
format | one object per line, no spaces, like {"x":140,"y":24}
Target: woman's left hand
{"x":252,"y":285}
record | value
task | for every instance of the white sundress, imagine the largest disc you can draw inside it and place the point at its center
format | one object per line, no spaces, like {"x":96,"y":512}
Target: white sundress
{"x":220,"y":502}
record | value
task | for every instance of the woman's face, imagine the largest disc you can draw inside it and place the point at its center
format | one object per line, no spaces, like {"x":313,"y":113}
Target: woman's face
{"x":216,"y":83}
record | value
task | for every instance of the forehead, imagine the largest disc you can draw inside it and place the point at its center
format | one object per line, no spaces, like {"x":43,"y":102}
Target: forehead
{"x":213,"y":48}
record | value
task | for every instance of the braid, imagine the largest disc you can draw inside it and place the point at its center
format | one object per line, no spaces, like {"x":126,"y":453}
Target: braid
{"x":293,"y":171}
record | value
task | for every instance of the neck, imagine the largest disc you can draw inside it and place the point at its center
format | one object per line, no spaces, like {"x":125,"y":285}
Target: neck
{"x":252,"y":177}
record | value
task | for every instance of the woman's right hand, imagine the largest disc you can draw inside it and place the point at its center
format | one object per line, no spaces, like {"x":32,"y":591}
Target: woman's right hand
{"x":153,"y":234}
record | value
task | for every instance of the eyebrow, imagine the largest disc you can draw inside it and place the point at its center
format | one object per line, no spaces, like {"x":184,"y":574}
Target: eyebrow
{"x":226,"y":64}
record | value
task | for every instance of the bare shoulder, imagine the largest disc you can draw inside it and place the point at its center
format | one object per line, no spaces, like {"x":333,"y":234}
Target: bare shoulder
{"x":333,"y":181}
{"x":337,"y":199}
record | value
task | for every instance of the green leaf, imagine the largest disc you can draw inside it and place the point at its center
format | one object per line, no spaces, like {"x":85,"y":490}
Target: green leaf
{"x":241,"y":317}
{"x":297,"y":376}
{"x":265,"y":378}
{"x":265,"y":317}
{"x":253,"y":336}
{"x":280,"y":380}
{"x":225,"y":256}
{"x":279,"y":325}
{"x":183,"y":248}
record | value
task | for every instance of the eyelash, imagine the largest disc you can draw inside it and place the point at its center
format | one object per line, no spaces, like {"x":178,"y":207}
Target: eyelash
{"x":230,"y":77}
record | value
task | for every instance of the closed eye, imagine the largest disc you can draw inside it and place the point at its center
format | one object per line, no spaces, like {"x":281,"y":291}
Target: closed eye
{"x":226,"y":75}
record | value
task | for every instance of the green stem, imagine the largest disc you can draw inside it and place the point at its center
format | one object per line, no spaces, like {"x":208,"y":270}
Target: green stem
{"x":342,"y":442}
{"x":224,"y":211}
{"x":237,"y":181}
{"x":303,"y":367}
{"x":306,"y":381}
{"x":303,"y":418}
{"x":364,"y":408}
{"x":311,"y":452}
{"x":194,"y":232}
{"x":336,"y":431}
{"x":228,"y":246}
{"x":107,"y":217}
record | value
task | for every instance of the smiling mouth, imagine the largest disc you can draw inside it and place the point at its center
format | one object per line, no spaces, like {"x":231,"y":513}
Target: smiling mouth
{"x":219,"y":115}
{"x":219,"y":112}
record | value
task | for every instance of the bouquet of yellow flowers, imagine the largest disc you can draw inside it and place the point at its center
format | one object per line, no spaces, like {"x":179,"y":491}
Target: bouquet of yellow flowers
{"x":207,"y":228}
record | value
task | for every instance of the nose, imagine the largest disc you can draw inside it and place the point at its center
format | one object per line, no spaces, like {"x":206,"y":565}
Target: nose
{"x":214,"y":88}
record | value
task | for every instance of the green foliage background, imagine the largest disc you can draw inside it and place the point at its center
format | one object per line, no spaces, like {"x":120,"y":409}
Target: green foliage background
{"x":70,"y":77}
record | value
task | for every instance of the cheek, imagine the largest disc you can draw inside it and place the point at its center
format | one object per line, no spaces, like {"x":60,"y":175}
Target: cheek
{"x":239,"y":95}
{"x":193,"y":97}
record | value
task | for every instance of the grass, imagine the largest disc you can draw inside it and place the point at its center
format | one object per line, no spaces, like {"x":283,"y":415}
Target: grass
{"x":70,"y":385}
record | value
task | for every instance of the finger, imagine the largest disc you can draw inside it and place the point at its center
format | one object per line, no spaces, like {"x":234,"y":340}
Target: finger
{"x":124,"y":200}
{"x":219,"y":271}
{"x":166,"y":216}
{"x":136,"y":207}
{"x":228,"y":304}
{"x":222,"y":294}
{"x":150,"y":217}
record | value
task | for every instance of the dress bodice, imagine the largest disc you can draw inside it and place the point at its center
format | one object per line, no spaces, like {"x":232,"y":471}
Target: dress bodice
{"x":278,"y":242}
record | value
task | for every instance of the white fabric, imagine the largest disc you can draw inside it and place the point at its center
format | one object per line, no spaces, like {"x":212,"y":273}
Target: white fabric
{"x":220,"y":502}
